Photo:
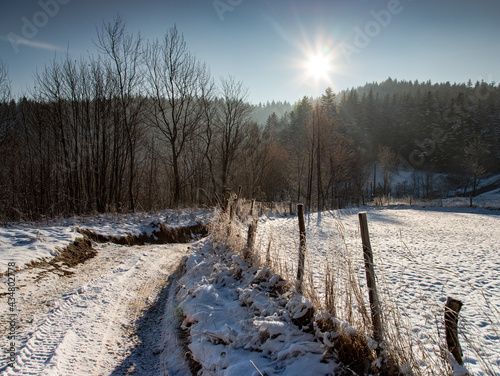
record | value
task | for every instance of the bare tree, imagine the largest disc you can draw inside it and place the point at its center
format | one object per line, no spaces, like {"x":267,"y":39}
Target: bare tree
{"x":125,"y":54}
{"x":261,"y":168}
{"x":297,"y":139}
{"x":5,"y":95}
{"x":231,"y":126}
{"x":50,"y":120}
{"x":4,"y":83}
{"x":177,"y":84}
{"x":5,"y":134}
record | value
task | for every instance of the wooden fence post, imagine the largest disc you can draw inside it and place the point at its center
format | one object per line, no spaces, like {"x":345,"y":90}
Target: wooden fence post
{"x":302,"y":247}
{"x":252,"y":208}
{"x":227,"y":200}
{"x":230,"y":210}
{"x":370,"y":279}
{"x":452,"y":308}
{"x":252,"y":230}
{"x":268,"y":253}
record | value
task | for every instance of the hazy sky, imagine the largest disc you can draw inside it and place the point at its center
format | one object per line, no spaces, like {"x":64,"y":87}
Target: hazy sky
{"x":270,"y":45}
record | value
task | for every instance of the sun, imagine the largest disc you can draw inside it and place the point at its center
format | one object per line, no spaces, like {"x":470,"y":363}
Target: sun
{"x":319,"y":67}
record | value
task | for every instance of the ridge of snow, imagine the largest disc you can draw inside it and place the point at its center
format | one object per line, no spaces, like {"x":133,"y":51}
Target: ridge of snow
{"x":234,"y":323}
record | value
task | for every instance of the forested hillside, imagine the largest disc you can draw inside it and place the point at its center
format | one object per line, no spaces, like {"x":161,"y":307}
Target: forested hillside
{"x":143,"y":126}
{"x":424,"y":128}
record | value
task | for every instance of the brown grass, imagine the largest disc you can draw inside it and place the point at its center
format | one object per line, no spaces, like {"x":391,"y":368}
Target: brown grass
{"x":350,"y":347}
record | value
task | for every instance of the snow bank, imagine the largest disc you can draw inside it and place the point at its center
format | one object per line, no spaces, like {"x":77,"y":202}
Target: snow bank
{"x":236,"y":320}
{"x":22,"y":243}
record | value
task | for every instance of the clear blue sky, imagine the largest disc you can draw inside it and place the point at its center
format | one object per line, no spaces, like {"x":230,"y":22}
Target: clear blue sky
{"x":266,"y":44}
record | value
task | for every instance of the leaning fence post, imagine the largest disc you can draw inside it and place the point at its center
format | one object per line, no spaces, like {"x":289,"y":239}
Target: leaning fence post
{"x":370,"y":279}
{"x":302,"y":247}
{"x":227,"y":198}
{"x":268,"y":253}
{"x":452,"y":308}
{"x":252,"y":230}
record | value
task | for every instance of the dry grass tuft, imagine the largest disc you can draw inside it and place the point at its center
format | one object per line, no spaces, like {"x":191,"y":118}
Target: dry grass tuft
{"x":352,"y":350}
{"x":76,"y":253}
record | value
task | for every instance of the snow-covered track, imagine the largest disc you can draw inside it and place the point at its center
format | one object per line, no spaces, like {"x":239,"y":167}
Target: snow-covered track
{"x":91,"y":329}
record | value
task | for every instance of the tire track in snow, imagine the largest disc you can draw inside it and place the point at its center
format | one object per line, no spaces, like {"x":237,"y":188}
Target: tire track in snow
{"x":76,"y":338}
{"x":51,"y":339}
{"x":91,"y":352}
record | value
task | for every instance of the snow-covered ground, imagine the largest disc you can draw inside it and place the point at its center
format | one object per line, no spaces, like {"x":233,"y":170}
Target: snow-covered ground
{"x":105,"y":316}
{"x":405,"y":181}
{"x":119,"y":313}
{"x":422,"y":256}
{"x":102,"y":320}
{"x":236,"y":327}
{"x":24,"y":242}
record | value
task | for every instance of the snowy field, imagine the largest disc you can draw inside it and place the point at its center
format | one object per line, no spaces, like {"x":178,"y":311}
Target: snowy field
{"x":422,"y":256}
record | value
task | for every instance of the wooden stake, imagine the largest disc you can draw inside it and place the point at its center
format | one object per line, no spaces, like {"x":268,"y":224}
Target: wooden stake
{"x":302,"y":247}
{"x":227,"y":199}
{"x":252,"y":229}
{"x":452,"y":308}
{"x":268,"y":253}
{"x":370,"y":279}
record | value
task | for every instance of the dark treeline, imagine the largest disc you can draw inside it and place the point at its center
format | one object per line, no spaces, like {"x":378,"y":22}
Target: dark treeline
{"x":143,"y":126}
{"x":428,"y":126}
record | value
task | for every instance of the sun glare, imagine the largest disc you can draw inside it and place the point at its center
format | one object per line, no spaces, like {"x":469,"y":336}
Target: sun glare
{"x":318,"y":67}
